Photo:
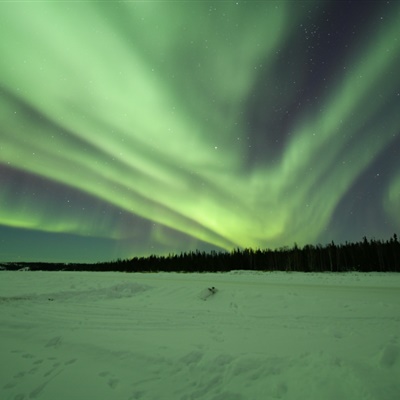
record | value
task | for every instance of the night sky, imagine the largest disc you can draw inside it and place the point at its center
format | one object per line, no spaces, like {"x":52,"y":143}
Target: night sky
{"x":137,"y":128}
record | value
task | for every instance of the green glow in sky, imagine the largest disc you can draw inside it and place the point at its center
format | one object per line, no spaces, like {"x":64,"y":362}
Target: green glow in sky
{"x":136,"y":119}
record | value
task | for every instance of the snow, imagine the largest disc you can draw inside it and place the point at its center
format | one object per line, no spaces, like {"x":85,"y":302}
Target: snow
{"x":87,"y":335}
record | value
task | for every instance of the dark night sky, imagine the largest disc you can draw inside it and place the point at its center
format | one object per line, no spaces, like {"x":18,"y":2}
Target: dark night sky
{"x":137,"y":128}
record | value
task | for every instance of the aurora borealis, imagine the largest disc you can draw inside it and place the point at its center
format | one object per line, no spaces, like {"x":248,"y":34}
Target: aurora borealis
{"x":133,"y":128}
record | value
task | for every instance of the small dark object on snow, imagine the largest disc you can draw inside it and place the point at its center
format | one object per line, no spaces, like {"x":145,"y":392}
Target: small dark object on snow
{"x":50,"y":299}
{"x":212,"y":289}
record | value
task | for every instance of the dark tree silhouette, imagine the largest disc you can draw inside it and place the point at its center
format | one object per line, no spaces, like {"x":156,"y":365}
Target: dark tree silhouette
{"x":364,"y":256}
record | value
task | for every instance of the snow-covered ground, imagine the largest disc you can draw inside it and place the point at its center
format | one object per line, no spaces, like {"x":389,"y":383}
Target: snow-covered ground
{"x":82,"y":335}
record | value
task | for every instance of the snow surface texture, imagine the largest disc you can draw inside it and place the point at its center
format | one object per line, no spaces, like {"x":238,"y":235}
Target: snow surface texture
{"x":295,"y":336}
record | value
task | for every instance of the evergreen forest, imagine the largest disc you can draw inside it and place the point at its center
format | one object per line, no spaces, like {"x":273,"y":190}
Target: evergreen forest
{"x":363,"y":256}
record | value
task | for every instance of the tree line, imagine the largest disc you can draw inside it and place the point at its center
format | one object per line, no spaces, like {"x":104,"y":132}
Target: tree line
{"x":363,"y":256}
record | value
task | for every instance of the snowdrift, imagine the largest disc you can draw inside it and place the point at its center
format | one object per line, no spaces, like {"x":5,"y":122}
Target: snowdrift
{"x":158,"y":336}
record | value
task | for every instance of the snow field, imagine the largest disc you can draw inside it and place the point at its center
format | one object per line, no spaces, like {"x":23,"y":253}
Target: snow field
{"x":153,"y":336}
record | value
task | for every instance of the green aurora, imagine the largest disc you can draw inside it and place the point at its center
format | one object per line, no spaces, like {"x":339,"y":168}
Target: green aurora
{"x":133,"y":128}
